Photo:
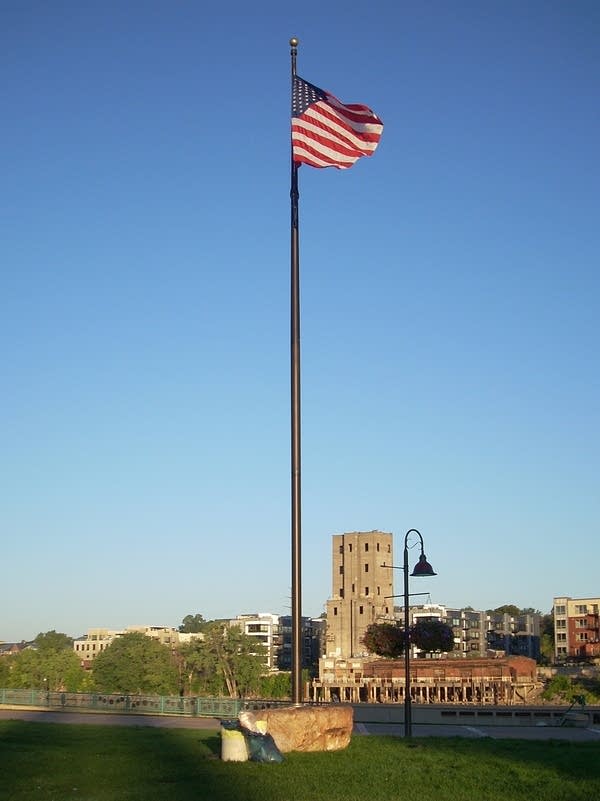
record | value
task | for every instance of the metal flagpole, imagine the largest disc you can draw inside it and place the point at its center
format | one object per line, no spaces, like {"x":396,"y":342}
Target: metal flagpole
{"x":297,"y":694}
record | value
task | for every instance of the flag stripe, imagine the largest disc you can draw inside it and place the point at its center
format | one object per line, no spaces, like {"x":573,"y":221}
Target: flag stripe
{"x":306,"y":131}
{"x":317,"y":124}
{"x":355,"y":112}
{"x":363,"y":132}
{"x":302,"y":156}
{"x":321,"y":150}
{"x":329,"y":133}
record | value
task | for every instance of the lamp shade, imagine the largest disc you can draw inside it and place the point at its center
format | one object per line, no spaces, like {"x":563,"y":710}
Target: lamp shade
{"x":423,"y":568}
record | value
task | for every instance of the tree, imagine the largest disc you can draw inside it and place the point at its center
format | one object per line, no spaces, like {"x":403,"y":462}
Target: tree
{"x":46,"y":668}
{"x":192,"y":624}
{"x":135,"y":664}
{"x":432,"y":635}
{"x":547,"y":638}
{"x":384,"y":639}
{"x":4,"y":670}
{"x":279,"y":685}
{"x":198,"y":670}
{"x":53,"y":641}
{"x":237,"y":657}
{"x":547,"y":625}
{"x":225,"y":662}
{"x":507,"y":609}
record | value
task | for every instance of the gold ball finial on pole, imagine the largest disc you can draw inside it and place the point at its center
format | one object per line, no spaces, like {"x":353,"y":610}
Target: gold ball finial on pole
{"x":294,"y":42}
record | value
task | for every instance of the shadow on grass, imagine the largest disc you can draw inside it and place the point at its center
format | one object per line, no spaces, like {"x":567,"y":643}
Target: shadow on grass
{"x":55,"y":762}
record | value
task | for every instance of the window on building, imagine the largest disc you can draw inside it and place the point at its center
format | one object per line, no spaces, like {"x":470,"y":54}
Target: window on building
{"x":366,"y":546}
{"x":562,"y":637}
{"x":560,"y":610}
{"x":341,"y":570}
{"x":581,"y":609}
{"x":581,"y":623}
{"x":335,"y":610}
{"x":350,"y":548}
{"x":360,"y":610}
{"x":378,"y":590}
{"x":389,"y":548}
{"x":377,"y":546}
{"x":366,"y":567}
{"x":561,"y":624}
{"x":341,"y":549}
{"x":341,"y":592}
{"x":366,"y":590}
{"x":353,"y":588}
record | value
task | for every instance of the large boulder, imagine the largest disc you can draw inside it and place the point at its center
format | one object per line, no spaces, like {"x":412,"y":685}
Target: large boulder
{"x":303,"y":728}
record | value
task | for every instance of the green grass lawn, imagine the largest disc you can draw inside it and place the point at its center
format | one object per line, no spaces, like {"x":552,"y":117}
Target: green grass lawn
{"x":55,"y":762}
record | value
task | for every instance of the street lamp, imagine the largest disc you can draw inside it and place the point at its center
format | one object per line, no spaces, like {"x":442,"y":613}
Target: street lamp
{"x":422,"y":568}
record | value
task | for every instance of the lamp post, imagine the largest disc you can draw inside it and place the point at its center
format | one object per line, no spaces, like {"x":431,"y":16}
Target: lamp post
{"x":422,"y":568}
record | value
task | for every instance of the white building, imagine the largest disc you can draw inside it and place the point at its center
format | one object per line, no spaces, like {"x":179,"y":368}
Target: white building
{"x":265,"y":629}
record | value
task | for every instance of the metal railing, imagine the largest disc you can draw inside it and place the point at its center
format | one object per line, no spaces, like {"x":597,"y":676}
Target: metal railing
{"x":134,"y":704}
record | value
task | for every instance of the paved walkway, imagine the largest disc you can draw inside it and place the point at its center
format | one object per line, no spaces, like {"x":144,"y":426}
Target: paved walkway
{"x":112,"y":719}
{"x":572,"y":734}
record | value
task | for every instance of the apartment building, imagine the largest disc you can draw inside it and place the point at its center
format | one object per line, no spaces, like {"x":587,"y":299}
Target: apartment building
{"x":97,"y":640}
{"x":478,"y":633}
{"x":469,"y":626}
{"x":518,"y":635}
{"x":93,"y":643}
{"x":576,"y":628}
{"x":264,"y":628}
{"x":313,"y":642}
{"x":274,"y":632}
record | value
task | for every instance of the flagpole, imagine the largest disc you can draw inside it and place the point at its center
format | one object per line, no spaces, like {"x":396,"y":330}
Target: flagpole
{"x":297,"y":694}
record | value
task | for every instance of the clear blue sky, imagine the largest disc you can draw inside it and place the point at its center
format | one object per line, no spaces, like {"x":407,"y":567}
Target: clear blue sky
{"x":450,"y":305}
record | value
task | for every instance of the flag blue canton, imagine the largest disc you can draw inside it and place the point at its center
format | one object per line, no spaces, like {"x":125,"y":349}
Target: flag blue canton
{"x":304,"y":94}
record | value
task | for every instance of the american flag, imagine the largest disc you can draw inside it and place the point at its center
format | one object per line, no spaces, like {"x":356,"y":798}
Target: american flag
{"x":328,"y":133}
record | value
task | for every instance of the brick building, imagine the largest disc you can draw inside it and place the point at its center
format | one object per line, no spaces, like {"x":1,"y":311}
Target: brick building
{"x":503,"y":680}
{"x":576,"y":628}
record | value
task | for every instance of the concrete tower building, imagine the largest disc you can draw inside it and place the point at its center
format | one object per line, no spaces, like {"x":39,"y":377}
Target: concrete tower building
{"x":361,"y":589}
